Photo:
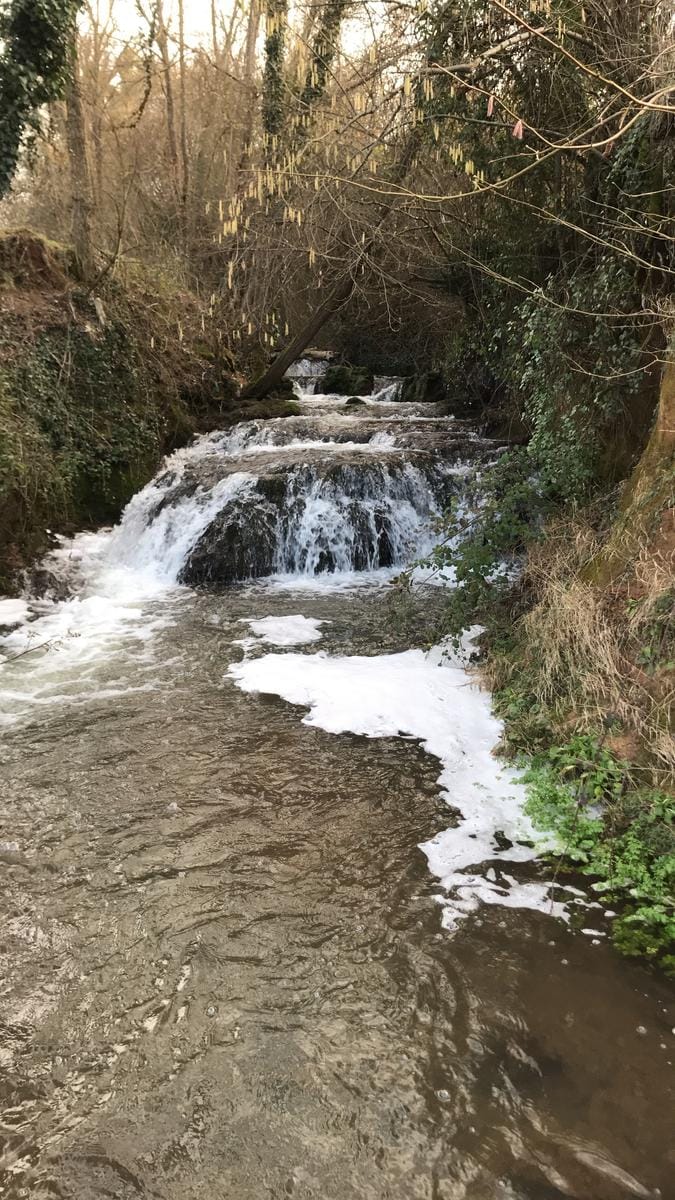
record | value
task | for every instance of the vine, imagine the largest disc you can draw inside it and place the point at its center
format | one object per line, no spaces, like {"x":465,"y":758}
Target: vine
{"x":36,"y":36}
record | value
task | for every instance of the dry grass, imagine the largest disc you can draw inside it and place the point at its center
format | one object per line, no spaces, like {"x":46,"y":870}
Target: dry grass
{"x":602,"y":656}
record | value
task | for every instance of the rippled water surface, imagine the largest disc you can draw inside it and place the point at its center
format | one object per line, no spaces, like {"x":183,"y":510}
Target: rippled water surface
{"x":224,"y":974}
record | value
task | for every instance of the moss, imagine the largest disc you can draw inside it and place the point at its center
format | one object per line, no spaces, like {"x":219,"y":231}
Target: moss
{"x":88,"y":405}
{"x":648,"y":498}
{"x":348,"y":381}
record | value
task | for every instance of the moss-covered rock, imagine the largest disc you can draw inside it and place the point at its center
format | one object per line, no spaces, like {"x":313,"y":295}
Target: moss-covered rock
{"x":426,"y":388}
{"x":347,"y":381}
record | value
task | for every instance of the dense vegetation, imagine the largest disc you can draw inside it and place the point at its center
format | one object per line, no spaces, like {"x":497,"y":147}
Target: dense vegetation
{"x":480,"y":191}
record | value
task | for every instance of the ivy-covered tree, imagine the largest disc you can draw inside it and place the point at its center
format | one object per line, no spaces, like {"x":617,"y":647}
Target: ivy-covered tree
{"x":273,"y":80}
{"x":35,"y":56}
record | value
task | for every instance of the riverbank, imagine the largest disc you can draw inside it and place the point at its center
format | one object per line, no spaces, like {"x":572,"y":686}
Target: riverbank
{"x":578,"y":606}
{"x":96,"y":386}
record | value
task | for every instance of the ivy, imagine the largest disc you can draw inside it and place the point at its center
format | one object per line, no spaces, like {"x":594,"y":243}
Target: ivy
{"x":483,"y":534}
{"x":574,"y":356}
{"x":273,"y":80}
{"x":36,"y":37}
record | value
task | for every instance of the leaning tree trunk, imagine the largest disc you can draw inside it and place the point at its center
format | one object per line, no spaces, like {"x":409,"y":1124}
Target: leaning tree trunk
{"x":273,"y":376}
{"x":340,"y":293}
{"x":81,"y":198}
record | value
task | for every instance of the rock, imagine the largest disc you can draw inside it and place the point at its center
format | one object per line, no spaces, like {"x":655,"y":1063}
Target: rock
{"x":239,"y":544}
{"x":427,"y":388}
{"x":355,"y":402}
{"x":46,"y":584}
{"x":347,"y":381}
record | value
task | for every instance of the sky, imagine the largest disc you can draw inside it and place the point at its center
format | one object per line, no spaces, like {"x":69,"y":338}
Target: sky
{"x":198,"y":18}
{"x":128,"y":21}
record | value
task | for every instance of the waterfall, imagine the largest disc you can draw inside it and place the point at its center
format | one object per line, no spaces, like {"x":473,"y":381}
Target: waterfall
{"x":336,"y":489}
{"x":341,"y":491}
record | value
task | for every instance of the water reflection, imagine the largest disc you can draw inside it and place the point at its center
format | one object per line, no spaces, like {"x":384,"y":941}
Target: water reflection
{"x":224,"y":973}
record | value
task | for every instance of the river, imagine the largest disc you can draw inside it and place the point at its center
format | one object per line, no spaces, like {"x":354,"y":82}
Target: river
{"x":273,"y":923}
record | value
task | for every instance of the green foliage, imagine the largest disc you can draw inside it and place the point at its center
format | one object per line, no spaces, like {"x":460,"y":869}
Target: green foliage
{"x":81,"y":427}
{"x":482,"y":536}
{"x":35,"y":40}
{"x":621,"y":836}
{"x":575,"y":358}
{"x":273,"y":79}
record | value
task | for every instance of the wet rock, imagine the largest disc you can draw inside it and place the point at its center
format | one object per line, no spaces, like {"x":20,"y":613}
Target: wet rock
{"x":347,"y":381}
{"x":427,"y":388}
{"x":354,"y":513}
{"x":46,"y":584}
{"x":238,"y":544}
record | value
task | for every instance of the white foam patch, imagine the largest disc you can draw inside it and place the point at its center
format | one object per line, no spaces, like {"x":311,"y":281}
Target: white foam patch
{"x":430,"y":697}
{"x":285,"y":631}
{"x":377,"y":443}
{"x":13,"y":612}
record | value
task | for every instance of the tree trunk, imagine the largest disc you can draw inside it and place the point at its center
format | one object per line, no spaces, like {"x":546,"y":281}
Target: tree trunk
{"x":252,"y":28}
{"x":273,"y":107}
{"x":273,"y":376}
{"x":80,"y":181}
{"x":214,"y":30}
{"x":185,"y":164}
{"x":646,"y":517}
{"x":162,"y":40}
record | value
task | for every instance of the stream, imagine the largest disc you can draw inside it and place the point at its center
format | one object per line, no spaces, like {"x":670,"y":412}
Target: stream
{"x":273,"y":922}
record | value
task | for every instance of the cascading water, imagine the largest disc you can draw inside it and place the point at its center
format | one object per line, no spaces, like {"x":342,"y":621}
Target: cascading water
{"x":243,"y":956}
{"x":331,"y":492}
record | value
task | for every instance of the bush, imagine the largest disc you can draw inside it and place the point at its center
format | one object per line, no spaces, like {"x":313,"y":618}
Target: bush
{"x":482,"y":537}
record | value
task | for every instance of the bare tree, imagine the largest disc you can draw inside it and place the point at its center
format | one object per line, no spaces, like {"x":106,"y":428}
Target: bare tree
{"x":81,"y":208}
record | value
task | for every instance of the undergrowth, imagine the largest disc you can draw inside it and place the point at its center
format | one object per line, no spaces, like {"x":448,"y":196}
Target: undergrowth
{"x":620,"y":834}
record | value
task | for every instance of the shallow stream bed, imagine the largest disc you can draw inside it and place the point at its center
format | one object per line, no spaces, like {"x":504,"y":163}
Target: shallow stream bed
{"x":228,"y":972}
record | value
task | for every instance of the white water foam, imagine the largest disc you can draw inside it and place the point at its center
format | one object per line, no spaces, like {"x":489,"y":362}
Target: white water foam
{"x":432,"y":698}
{"x":156,"y":543}
{"x":13,"y":612}
{"x":55,"y":658}
{"x":293,"y":630}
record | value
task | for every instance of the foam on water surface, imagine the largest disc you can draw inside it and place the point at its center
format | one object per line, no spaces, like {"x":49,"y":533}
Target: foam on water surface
{"x":430,"y":697}
{"x":293,"y":630}
{"x":13,"y":612}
